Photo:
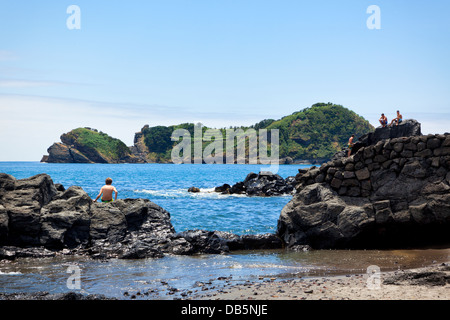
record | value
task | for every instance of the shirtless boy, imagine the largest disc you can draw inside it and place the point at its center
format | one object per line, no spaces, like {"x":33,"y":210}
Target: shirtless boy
{"x":397,"y":120}
{"x":350,"y":145}
{"x":383,"y":120}
{"x":107,"y":191}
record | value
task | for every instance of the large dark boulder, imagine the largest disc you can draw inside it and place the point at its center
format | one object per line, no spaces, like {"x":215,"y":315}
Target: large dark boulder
{"x":263,"y":184}
{"x":250,"y":241}
{"x":40,"y":219}
{"x":322,"y":219}
{"x":66,"y":221}
{"x":201,"y":241}
{"x":22,"y":201}
{"x":33,"y":213}
{"x":395,"y":193}
{"x":408,"y":128}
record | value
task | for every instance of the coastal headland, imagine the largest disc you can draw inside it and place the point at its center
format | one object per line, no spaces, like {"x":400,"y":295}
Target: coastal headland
{"x":390,"y":193}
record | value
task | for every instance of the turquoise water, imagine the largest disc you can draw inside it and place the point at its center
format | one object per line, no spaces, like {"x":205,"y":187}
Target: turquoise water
{"x":167,"y":185}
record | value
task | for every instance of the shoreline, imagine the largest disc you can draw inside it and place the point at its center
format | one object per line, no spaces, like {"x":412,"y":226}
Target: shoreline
{"x":424,"y":283}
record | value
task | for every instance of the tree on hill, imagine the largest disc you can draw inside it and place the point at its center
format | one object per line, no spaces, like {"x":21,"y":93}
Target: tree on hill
{"x":314,"y":133}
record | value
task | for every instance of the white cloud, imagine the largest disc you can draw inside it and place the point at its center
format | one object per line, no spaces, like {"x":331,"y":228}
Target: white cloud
{"x":12,"y":83}
{"x":30,"y":124}
{"x":6,"y":55}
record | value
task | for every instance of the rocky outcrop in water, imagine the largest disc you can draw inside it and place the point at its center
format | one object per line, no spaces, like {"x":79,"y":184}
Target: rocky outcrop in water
{"x":41,"y":219}
{"x":394,"y":193}
{"x":87,"y":145}
{"x":264,"y":184}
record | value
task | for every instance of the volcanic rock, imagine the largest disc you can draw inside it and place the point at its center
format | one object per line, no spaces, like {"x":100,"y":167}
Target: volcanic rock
{"x":38,"y":219}
{"x":395,"y":193}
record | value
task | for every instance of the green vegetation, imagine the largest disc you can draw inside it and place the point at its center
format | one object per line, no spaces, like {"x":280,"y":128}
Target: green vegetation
{"x":318,"y":132}
{"x":315,"y":133}
{"x":97,"y":146}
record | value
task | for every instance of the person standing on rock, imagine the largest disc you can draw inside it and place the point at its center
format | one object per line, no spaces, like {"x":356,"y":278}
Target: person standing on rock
{"x":397,"y":120}
{"x":350,"y":145}
{"x":106,"y":192}
{"x":383,"y":120}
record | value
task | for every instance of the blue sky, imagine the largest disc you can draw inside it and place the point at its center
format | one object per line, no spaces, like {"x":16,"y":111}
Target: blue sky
{"x":219,"y":62}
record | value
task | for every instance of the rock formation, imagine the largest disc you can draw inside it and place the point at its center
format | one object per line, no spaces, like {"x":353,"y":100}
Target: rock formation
{"x":408,"y":128}
{"x":86,"y":145}
{"x":304,"y":136}
{"x":393,"y":193}
{"x":264,"y":184}
{"x":139,"y":149}
{"x":39,"y":219}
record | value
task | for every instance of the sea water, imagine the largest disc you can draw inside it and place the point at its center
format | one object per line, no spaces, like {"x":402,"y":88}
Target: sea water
{"x":166,"y":185}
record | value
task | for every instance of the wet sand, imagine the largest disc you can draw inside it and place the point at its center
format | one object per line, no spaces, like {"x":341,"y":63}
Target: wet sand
{"x":427,"y":283}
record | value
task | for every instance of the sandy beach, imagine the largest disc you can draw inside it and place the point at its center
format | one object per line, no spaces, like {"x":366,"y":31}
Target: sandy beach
{"x":427,"y":283}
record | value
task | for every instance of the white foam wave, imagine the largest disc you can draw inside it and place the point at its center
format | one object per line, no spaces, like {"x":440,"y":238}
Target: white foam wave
{"x":266,"y":266}
{"x":208,"y":193}
{"x":12,"y":273}
{"x":275,"y":266}
{"x":161,"y":193}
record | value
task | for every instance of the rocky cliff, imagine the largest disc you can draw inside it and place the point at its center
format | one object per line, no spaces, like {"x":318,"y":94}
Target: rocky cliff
{"x":394,"y":191}
{"x":139,"y":149}
{"x":39,"y":218}
{"x":86,"y":145}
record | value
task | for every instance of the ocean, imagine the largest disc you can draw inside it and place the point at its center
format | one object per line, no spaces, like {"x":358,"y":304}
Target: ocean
{"x":167,"y":185}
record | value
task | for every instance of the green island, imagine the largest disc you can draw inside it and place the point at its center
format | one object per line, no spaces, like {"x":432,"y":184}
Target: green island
{"x":313,"y":134}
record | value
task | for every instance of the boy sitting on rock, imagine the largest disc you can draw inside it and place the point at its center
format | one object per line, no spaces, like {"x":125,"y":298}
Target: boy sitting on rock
{"x":107,"y":191}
